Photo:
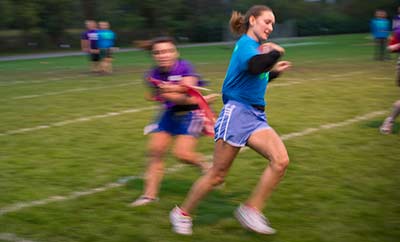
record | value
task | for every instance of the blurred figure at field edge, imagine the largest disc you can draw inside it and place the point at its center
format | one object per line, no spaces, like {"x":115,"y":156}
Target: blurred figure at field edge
{"x":380,"y":30}
{"x":106,"y":44}
{"x":396,"y":20}
{"x":242,"y":122}
{"x":89,"y":40}
{"x":394,"y":46}
{"x":179,"y":119}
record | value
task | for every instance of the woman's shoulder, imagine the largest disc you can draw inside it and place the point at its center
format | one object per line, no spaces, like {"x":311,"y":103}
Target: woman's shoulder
{"x":184,"y":62}
{"x":184,"y":65}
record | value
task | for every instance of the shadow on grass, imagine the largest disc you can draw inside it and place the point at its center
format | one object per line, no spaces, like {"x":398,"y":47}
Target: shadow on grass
{"x":217,"y":205}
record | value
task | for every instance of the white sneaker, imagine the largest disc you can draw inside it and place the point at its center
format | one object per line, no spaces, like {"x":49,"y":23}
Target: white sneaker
{"x":143,"y":200}
{"x":253,"y":220}
{"x":181,"y":224}
{"x":386,"y":127}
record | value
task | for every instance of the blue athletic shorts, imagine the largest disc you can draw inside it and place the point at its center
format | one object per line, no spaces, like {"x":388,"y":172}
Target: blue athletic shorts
{"x":237,"y":121}
{"x":177,"y":123}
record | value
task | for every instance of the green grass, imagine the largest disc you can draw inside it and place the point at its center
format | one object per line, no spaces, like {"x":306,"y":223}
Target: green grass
{"x":342,"y":183}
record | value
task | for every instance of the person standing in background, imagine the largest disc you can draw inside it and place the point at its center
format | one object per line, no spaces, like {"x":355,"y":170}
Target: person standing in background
{"x":106,"y":43}
{"x":380,"y":30}
{"x":89,"y":40}
{"x":396,"y":20}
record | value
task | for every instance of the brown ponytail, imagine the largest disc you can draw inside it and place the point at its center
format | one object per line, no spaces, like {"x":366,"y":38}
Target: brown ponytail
{"x":239,"y":24}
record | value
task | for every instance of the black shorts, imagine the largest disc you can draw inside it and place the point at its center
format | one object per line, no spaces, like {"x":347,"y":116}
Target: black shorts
{"x":105,"y":53}
{"x":94,"y":56}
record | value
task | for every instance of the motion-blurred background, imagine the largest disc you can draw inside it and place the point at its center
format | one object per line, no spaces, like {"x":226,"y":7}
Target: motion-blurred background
{"x":50,"y":24}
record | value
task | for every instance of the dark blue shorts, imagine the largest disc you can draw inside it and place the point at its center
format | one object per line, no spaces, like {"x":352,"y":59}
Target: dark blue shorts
{"x":177,"y":123}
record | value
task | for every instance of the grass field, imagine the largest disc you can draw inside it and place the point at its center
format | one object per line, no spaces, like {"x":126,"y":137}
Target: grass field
{"x":72,"y":151}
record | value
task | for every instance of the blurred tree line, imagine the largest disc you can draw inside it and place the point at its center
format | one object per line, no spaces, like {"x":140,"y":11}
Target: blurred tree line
{"x":191,"y":20}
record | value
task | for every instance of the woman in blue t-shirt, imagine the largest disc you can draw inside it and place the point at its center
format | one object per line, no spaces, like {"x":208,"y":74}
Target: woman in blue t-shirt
{"x":242,"y":121}
{"x":380,"y":30}
{"x":106,"y":44}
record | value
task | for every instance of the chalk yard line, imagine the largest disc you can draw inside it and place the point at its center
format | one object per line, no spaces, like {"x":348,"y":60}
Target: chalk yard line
{"x":13,"y":238}
{"x":124,"y":180}
{"x":74,"y":90}
{"x":78,"y":120}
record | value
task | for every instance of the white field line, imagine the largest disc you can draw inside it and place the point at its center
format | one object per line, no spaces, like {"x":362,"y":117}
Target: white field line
{"x":78,"y":120}
{"x":60,"y":78}
{"x":75,"y":90}
{"x":329,"y":126}
{"x":122,"y":181}
{"x":90,"y":118}
{"x":346,"y":74}
{"x":333,"y":125}
{"x":122,"y":85}
{"x":382,"y":78}
{"x":85,"y":75}
{"x":284,"y":84}
{"x":44,"y":80}
{"x":73,"y":195}
{"x":13,"y":238}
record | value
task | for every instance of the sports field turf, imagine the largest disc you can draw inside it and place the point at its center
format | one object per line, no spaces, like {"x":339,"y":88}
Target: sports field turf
{"x":72,"y":150}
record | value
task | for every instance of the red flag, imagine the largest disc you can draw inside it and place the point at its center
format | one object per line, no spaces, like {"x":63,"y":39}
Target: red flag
{"x":206,"y":112}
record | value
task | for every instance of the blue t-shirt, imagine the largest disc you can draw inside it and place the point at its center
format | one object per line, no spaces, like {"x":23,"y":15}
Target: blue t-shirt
{"x":380,"y":27}
{"x":106,"y":38}
{"x":239,"y":84}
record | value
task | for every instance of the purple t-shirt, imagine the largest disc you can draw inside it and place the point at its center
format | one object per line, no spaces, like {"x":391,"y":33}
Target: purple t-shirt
{"x":396,"y":22}
{"x":181,"y":69}
{"x":92,"y":36}
{"x":396,"y":33}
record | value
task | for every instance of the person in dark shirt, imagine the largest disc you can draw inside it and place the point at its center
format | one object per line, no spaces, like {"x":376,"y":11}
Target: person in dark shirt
{"x":89,"y":45}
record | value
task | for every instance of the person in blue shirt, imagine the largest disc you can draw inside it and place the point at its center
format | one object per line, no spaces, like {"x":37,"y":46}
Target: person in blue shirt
{"x":242,"y":121}
{"x":106,"y":44}
{"x":380,"y":30}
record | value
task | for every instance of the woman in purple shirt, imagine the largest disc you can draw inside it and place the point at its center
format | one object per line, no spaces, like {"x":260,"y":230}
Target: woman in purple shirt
{"x":180,"y":117}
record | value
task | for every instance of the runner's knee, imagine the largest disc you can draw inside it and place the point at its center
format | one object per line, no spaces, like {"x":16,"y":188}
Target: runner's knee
{"x":217,"y":176}
{"x":182,"y":154}
{"x":156,"y":152}
{"x":397,"y":104}
{"x":280,"y":162}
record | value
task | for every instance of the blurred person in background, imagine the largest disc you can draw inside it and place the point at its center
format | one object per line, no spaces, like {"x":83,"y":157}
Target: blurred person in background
{"x":105,"y":44}
{"x":387,"y":125}
{"x":380,"y":30}
{"x":242,"y":122}
{"x":89,"y":40}
{"x":179,"y":119}
{"x":394,"y":46}
{"x":396,"y":20}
